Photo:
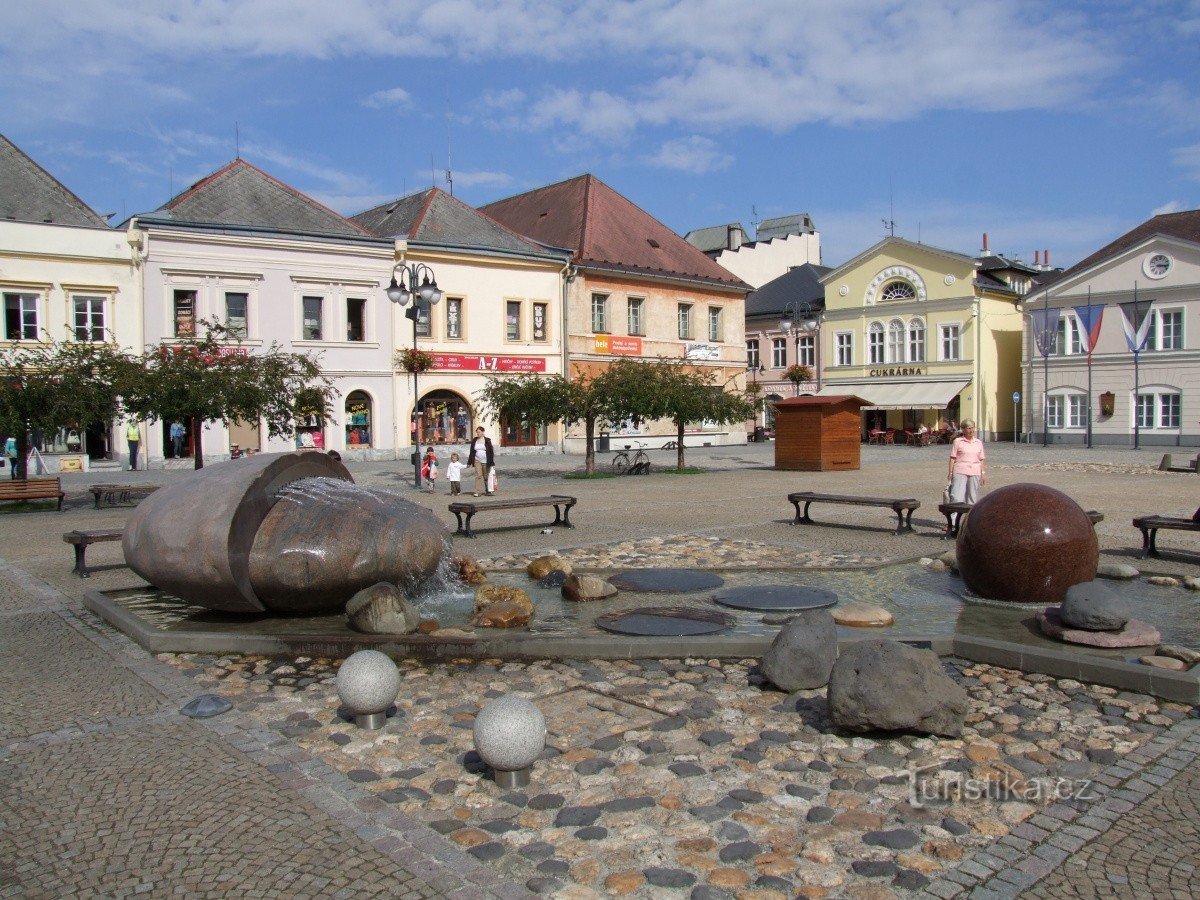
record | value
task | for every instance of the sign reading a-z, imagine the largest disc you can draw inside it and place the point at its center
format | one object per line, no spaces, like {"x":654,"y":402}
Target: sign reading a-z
{"x":470,"y":362}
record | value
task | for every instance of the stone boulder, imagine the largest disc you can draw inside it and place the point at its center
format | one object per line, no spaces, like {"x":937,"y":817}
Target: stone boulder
{"x":490,"y":594}
{"x":502,"y":614}
{"x":1117,"y":571}
{"x":583,"y":588}
{"x":544,"y":565}
{"x":879,"y":685}
{"x":382,"y":609}
{"x":862,"y":615}
{"x":553,"y":579}
{"x":1093,"y":606}
{"x":1135,"y":633}
{"x":802,"y":654}
{"x":468,"y":570}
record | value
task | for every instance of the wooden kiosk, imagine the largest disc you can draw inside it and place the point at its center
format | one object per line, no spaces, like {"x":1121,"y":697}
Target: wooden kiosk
{"x":819,"y":434}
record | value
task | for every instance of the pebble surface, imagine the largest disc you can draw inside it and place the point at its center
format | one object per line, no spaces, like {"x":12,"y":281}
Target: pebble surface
{"x":674,"y":775}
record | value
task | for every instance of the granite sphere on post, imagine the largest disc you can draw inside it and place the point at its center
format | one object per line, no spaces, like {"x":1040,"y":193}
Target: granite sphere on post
{"x":367,"y":683}
{"x":510,"y":733}
{"x":1026,"y":543}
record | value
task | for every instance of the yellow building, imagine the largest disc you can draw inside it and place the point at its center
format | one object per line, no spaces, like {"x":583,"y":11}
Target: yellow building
{"x":925,"y":335}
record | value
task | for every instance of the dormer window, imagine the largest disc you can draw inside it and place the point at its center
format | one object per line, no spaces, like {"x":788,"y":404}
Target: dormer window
{"x":897,"y":290}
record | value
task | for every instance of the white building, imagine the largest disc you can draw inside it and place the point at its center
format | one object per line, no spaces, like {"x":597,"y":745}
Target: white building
{"x":780,"y":245}
{"x":65,"y":274}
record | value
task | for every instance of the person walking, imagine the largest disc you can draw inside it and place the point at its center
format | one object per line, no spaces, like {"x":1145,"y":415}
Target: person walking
{"x":967,"y":474}
{"x":429,"y":470}
{"x":482,"y":457}
{"x":177,"y":433}
{"x":133,"y":434}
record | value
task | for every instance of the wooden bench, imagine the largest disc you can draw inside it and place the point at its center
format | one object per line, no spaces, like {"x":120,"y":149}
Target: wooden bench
{"x":121,"y":494}
{"x":1150,"y":525}
{"x":81,"y":540}
{"x":903,"y":508}
{"x":32,"y":489}
{"x":562,"y":509}
{"x":954,"y":513}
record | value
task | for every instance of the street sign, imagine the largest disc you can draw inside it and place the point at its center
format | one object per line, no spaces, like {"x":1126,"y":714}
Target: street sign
{"x":1016,"y":396}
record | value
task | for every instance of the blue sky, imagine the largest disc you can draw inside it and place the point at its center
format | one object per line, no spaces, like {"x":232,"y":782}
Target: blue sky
{"x":1047,"y":125}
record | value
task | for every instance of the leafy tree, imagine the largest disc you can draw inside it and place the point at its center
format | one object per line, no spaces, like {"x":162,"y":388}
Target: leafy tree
{"x":686,"y":393}
{"x":621,"y":391}
{"x":51,"y":385}
{"x":215,"y":378}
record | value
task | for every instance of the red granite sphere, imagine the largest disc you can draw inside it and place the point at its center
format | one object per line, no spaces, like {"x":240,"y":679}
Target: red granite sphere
{"x":1027,"y":543}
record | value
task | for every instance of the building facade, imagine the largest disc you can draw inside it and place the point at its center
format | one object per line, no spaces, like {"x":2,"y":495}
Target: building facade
{"x":924,"y":336}
{"x":779,"y":245}
{"x":635,"y":289}
{"x":1146,"y":283}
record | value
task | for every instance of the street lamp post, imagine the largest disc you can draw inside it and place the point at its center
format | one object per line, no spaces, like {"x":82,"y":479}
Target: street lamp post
{"x":415,"y":283}
{"x":804,"y":320}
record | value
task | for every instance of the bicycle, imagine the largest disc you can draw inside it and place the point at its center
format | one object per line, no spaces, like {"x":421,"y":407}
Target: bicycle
{"x":639,"y":465}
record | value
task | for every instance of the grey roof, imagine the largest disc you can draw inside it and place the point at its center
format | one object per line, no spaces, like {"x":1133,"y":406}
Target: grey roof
{"x":801,"y":285}
{"x":990,"y":282}
{"x":713,"y":239}
{"x":244,"y":195}
{"x":797,"y":223}
{"x":995,"y":261}
{"x":28,"y":193}
{"x":435,"y":217}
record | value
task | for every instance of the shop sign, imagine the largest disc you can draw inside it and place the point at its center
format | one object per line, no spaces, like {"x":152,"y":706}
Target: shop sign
{"x":469,"y":362}
{"x":895,"y":372}
{"x":702,"y":351}
{"x":620,"y":346}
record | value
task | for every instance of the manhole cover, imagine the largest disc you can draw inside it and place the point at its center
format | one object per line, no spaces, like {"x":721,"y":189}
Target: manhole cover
{"x":665,"y":581}
{"x":775,"y":597}
{"x":665,"y":621}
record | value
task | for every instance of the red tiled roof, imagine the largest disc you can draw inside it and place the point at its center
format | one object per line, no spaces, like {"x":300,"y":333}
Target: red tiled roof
{"x":1184,"y":225}
{"x":605,"y":229}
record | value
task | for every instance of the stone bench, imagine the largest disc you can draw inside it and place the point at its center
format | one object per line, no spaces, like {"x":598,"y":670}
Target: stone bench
{"x":81,"y":540}
{"x":1150,"y":525}
{"x":902,"y":507}
{"x":469,"y":508}
{"x":954,"y":513}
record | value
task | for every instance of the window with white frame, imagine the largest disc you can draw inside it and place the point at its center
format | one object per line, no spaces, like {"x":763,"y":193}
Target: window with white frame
{"x":237,"y":304}
{"x":636,"y":305}
{"x":714,"y":324}
{"x":1055,"y":404}
{"x":1069,"y":341}
{"x":600,"y":313}
{"x":311,"y":318}
{"x":844,"y":342}
{"x":916,"y":341}
{"x":895,"y":348}
{"x":778,"y":353}
{"x":1076,"y":411}
{"x":806,"y":351}
{"x":752,"y":361}
{"x":185,"y":313}
{"x":1159,"y":409}
{"x":1166,"y":330}
{"x":948,"y":339}
{"x":512,"y":320}
{"x":685,"y":321}
{"x":897,"y":290}
{"x":356,"y":319}
{"x":89,"y":318}
{"x":875,"y":343}
{"x":20,"y":317}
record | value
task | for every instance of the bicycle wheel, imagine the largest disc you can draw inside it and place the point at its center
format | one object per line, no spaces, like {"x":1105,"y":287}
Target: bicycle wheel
{"x":620,"y":463}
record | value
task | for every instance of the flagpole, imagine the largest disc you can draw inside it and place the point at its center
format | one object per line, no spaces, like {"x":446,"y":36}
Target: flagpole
{"x":1089,"y":364}
{"x":1137,"y":347}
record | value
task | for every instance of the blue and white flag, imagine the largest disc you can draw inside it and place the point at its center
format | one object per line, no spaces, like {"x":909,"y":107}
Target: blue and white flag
{"x":1136,"y":321}
{"x":1044,"y":323}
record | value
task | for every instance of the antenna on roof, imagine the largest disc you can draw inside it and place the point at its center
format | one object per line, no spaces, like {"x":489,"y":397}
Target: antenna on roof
{"x":890,"y":222}
{"x":170,"y":181}
{"x":754,"y":219}
{"x":432,"y":172}
{"x":918,"y":232}
{"x":449,"y":170}
{"x":237,"y":141}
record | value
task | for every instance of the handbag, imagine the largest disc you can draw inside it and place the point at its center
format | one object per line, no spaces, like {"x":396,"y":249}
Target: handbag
{"x":491,"y":482}
{"x":946,"y":494}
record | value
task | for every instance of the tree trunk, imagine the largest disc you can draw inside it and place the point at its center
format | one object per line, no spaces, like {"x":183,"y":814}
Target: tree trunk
{"x":197,"y":443}
{"x":589,"y":457}
{"x":21,"y":463}
{"x":679,"y":463}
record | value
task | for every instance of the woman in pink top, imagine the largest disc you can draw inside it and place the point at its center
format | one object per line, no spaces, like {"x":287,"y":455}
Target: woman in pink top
{"x":966,"y":465}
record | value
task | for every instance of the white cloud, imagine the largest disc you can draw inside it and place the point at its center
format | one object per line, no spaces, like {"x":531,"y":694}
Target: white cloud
{"x":1169,"y":207}
{"x":482,"y":179}
{"x":393,"y":97}
{"x":696,"y":155}
{"x":1188,"y":159}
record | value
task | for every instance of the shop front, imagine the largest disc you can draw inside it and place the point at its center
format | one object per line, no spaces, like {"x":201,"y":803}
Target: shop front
{"x":444,"y":417}
{"x":360,"y":423}
{"x":896,"y":410}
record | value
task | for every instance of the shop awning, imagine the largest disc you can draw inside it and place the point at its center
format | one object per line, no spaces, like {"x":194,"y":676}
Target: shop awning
{"x":901,"y":395}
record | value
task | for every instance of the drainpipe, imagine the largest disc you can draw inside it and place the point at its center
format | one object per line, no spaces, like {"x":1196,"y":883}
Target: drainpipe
{"x":567,"y":275}
{"x":977,"y":314}
{"x":399,"y":253}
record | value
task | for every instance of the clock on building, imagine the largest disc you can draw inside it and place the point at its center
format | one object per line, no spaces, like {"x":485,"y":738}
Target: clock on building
{"x":1157,"y":265}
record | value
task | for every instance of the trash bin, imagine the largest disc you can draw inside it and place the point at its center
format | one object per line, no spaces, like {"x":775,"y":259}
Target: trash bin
{"x":602,"y":442}
{"x":760,"y":434}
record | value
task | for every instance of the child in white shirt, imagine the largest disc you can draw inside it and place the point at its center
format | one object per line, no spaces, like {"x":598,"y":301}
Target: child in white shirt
{"x":454,"y":474}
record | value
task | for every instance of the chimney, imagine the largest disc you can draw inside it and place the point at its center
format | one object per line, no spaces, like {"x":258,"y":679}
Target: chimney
{"x":985,"y":251}
{"x":1046,"y":258}
{"x":733,"y":236}
{"x":1037,"y":259}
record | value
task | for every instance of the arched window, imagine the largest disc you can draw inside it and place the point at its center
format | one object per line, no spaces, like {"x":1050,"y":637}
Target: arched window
{"x":916,"y":341}
{"x":897,"y":290}
{"x":359,"y":420}
{"x":875,"y":342}
{"x":895,"y":341}
{"x":445,"y":418}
